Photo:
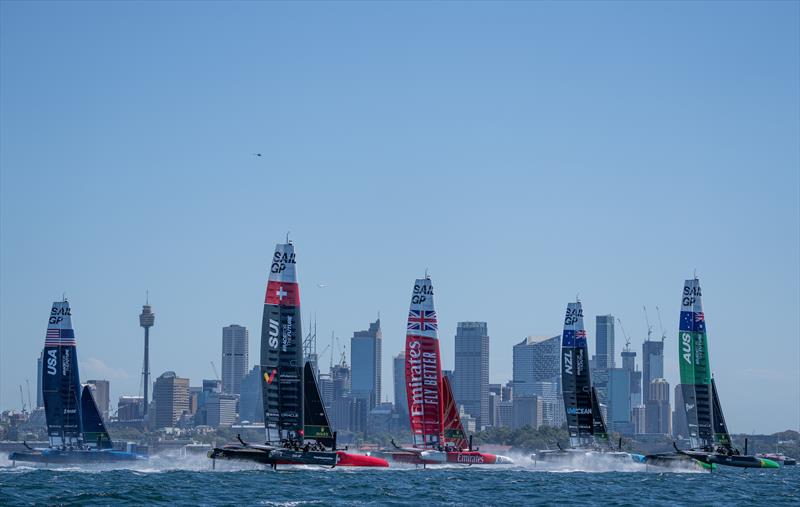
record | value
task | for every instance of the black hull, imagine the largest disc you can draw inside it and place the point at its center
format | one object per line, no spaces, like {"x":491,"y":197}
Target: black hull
{"x":273,"y":456}
{"x":738,"y":461}
{"x":57,"y":457}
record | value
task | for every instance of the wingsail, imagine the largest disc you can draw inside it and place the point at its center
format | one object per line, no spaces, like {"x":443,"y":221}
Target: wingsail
{"x":423,"y":367}
{"x":694,"y":366}
{"x":453,"y":429}
{"x":576,"y":383}
{"x":721,"y":435}
{"x":598,"y":421}
{"x":60,"y":379}
{"x":94,"y":430}
{"x":281,"y":350}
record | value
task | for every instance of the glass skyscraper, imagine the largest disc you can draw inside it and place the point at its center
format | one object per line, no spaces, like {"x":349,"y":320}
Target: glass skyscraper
{"x":365,"y":361}
{"x":471,"y":388}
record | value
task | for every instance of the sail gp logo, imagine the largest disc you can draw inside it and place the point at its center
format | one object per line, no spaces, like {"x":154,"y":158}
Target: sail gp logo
{"x":686,"y":347}
{"x":273,"y":333}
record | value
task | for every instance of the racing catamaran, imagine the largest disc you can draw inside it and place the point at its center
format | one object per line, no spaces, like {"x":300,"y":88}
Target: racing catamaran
{"x":708,"y":433}
{"x":587,"y":427}
{"x":439,"y":436}
{"x":297,"y":427}
{"x":75,"y":429}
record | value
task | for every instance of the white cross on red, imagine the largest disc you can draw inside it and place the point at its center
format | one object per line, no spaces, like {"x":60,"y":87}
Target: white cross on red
{"x":281,"y":293}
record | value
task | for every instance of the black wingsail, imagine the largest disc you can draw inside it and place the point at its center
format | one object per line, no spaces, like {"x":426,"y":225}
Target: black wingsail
{"x":60,"y":379}
{"x":721,"y":435}
{"x":94,"y":430}
{"x":316,"y":424}
{"x":576,"y":383}
{"x":282,"y":351}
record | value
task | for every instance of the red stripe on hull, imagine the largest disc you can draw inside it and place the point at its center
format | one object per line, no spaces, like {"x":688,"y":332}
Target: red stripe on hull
{"x":282,"y":294}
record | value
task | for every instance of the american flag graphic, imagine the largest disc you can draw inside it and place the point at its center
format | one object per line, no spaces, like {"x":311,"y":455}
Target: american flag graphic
{"x":52,"y":338}
{"x":422,"y":320}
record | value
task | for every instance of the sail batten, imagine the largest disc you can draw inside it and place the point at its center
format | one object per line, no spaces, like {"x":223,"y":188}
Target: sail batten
{"x":281,"y":350}
{"x":423,"y":367}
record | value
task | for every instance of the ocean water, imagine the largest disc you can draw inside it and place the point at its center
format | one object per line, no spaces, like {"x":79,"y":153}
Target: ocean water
{"x":191,"y":481}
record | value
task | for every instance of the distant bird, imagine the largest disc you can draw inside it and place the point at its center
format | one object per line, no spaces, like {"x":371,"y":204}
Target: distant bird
{"x":322,"y":285}
{"x":257,"y":154}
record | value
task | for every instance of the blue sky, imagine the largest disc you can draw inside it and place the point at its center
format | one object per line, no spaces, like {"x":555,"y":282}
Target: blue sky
{"x":522,"y":152}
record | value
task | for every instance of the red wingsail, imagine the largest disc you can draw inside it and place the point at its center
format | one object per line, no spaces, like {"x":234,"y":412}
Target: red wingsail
{"x":424,"y":368}
{"x":453,"y":429}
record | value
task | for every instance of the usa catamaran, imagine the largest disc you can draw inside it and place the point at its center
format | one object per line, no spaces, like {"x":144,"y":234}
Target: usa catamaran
{"x":297,"y":427}
{"x":439,"y":436}
{"x":75,"y":429}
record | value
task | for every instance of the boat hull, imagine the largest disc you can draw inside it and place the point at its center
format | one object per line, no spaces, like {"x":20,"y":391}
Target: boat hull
{"x":672,"y":461}
{"x":442,"y":458}
{"x":56,"y":456}
{"x":278,"y":456}
{"x":732,"y":460}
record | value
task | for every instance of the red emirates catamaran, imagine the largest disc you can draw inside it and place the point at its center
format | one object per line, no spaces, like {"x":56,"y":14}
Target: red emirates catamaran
{"x":439,"y":436}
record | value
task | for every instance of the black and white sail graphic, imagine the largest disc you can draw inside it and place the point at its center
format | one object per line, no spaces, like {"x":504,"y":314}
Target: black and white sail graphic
{"x":282,"y":350}
{"x":61,"y":388}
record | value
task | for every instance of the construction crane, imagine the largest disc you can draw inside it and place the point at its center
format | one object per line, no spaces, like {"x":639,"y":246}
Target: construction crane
{"x":30,"y":405}
{"x":215,"y":371}
{"x":649,"y":327}
{"x":627,"y":340}
{"x":663,"y":334}
{"x":21,"y":398}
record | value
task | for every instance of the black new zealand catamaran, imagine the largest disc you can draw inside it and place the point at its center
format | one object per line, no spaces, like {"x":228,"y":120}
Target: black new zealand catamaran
{"x":587,"y":427}
{"x":297,"y":427}
{"x":75,"y":429}
{"x":439,"y":436}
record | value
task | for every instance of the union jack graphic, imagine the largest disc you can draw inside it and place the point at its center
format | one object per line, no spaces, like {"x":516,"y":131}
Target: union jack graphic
{"x":699,"y":317}
{"x":580,"y":333}
{"x":422,"y":320}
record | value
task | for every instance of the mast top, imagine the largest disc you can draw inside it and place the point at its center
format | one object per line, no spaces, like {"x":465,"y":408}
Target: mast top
{"x":288,"y":241}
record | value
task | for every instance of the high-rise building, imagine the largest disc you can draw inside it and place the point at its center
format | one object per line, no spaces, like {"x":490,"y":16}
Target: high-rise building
{"x":146,"y":320}
{"x":652,"y":365}
{"x":536,"y":359}
{"x":365,"y":359}
{"x":471,"y":389}
{"x":619,"y":396}
{"x":657,"y":408}
{"x":527,"y":411}
{"x":39,"y":394}
{"x":251,"y":403}
{"x":552,"y":413}
{"x":604,"y":350}
{"x":399,"y":375}
{"x":235,"y":358}
{"x":171,"y":394}
{"x":629,"y":363}
{"x":100,"y":392}
{"x":680,"y":424}
{"x":130,"y":408}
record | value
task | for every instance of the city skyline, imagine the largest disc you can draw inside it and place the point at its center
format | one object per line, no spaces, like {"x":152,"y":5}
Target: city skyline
{"x":538,"y":127}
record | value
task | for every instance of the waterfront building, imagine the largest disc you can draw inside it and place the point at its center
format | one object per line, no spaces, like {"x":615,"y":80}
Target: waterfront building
{"x":652,"y":365}
{"x":505,"y":414}
{"x":638,"y":417}
{"x":527,"y":411}
{"x":657,"y":408}
{"x":221,"y":410}
{"x":680,"y":424}
{"x":130,"y":409}
{"x":365,"y":359}
{"x":604,"y":342}
{"x":619,"y":395}
{"x":629,"y":363}
{"x":235,"y":357}
{"x":471,"y":388}
{"x":171,"y":395}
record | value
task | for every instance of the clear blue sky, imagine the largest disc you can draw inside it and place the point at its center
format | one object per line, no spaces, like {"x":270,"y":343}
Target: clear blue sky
{"x":523,"y":152}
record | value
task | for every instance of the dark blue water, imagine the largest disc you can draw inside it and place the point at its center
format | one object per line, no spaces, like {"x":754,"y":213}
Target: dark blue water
{"x":450,"y":486}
